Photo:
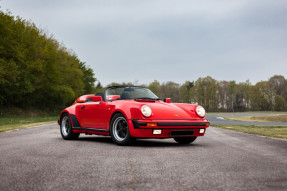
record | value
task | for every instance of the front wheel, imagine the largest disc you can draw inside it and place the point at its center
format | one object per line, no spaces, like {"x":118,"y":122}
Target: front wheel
{"x":119,"y":130}
{"x":184,"y":140}
{"x":66,"y":128}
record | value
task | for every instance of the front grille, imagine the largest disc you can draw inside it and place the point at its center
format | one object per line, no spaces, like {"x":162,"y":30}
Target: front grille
{"x":181,"y":133}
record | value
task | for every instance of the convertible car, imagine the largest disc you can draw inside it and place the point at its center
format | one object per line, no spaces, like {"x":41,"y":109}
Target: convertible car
{"x":129,"y":112}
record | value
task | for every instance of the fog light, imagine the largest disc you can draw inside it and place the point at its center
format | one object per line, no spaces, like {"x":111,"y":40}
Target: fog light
{"x":156,"y":131}
{"x":201,"y":131}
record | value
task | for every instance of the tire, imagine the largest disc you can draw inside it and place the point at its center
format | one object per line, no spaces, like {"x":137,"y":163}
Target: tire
{"x":184,"y":140}
{"x":66,"y":128}
{"x":119,"y":130}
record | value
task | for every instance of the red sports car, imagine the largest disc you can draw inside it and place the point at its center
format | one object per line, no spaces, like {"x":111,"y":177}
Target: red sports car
{"x":129,"y":112}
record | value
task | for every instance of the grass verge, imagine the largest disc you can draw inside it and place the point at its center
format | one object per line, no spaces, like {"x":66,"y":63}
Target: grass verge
{"x":268,"y":131}
{"x":17,"y":122}
{"x":258,"y":112}
{"x":270,"y":118}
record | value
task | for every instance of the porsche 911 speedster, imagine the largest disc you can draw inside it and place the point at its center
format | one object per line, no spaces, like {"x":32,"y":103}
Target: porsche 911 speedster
{"x":129,"y":112}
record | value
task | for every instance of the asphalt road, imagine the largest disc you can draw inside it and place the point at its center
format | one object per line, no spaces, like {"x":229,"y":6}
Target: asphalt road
{"x":219,"y":119}
{"x":39,"y":159}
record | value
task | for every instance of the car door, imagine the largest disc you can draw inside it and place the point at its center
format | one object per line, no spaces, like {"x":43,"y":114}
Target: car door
{"x":93,"y":115}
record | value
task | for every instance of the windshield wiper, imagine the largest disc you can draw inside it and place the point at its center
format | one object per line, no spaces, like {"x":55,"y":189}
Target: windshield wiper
{"x":148,"y":98}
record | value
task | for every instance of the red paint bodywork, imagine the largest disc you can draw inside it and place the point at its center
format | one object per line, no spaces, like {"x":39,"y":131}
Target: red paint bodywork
{"x":94,"y":117}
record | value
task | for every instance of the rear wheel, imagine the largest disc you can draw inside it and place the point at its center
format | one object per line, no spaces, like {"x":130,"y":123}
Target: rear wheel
{"x":119,"y":130}
{"x":66,"y":128}
{"x":184,"y":140}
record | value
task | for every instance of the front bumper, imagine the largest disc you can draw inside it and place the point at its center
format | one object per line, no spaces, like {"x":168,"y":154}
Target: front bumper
{"x":169,"y":128}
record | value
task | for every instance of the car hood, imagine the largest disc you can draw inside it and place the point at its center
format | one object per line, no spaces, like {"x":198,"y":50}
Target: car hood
{"x":162,"y":110}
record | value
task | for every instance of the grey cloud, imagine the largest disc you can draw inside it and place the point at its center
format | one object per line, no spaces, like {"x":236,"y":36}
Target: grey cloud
{"x":168,"y":40}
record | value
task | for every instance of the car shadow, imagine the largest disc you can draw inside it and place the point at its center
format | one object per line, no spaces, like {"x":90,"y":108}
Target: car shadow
{"x":97,"y":139}
{"x":161,"y":143}
{"x":141,"y":142}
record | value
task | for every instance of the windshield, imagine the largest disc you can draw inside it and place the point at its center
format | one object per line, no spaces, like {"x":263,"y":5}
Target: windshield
{"x":127,"y":92}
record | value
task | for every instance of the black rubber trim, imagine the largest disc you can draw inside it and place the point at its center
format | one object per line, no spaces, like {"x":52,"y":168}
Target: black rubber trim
{"x":90,"y":129}
{"x":137,"y":124}
{"x":181,"y":133}
{"x":143,"y":124}
{"x":75,"y":121}
{"x":181,"y":124}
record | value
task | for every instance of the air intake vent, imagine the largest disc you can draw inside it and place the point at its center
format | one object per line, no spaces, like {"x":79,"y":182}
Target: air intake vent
{"x":181,"y":133}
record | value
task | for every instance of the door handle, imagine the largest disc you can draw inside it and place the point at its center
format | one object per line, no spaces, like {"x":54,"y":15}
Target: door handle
{"x":83,"y":107}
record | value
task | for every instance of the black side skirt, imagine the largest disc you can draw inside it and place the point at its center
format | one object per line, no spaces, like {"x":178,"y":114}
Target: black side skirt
{"x":90,"y":129}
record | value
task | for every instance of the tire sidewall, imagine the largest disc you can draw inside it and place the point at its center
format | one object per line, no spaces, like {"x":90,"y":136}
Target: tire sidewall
{"x":128,"y":139}
{"x":71,"y":135}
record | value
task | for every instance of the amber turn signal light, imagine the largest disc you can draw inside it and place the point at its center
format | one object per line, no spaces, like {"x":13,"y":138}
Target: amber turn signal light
{"x":151,"y":124}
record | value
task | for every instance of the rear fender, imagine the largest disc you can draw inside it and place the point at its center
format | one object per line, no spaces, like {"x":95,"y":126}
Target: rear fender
{"x":70,"y":111}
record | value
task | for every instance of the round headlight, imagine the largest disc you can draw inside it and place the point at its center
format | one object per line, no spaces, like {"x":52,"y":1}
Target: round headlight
{"x":200,"y":111}
{"x":146,"y":110}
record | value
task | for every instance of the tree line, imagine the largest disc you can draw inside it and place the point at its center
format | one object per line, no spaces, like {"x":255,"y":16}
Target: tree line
{"x":228,"y":96}
{"x":36,"y":70}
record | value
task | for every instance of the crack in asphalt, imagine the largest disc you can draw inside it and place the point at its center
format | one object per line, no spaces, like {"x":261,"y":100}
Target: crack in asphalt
{"x":135,"y":181}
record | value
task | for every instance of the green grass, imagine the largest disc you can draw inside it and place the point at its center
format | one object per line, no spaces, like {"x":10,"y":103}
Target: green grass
{"x":258,"y":112}
{"x":271,"y":118}
{"x":268,"y":131}
{"x":17,"y":122}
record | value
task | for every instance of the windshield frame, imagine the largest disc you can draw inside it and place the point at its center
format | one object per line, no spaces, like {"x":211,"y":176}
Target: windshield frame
{"x":152,"y":95}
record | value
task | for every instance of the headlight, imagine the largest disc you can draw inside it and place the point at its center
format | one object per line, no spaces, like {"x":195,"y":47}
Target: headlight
{"x":146,"y":110}
{"x":200,"y":111}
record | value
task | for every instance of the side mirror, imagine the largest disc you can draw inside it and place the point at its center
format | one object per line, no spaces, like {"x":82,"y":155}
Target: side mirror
{"x":167,"y":100}
{"x":97,"y":99}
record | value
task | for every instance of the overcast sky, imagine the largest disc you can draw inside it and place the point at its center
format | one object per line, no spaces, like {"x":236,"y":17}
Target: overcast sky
{"x":167,"y":40}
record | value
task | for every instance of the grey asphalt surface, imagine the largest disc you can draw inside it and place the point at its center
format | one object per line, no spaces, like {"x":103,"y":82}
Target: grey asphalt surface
{"x":219,"y":119}
{"x":39,"y":159}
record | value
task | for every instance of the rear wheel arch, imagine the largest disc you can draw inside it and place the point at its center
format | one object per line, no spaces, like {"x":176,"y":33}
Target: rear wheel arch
{"x":66,"y":125}
{"x":64,"y":113}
